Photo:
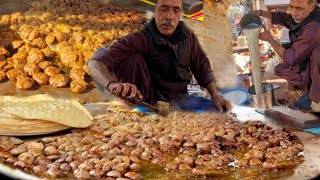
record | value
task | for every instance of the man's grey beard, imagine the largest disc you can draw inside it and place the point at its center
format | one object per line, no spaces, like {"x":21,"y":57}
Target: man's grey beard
{"x":297,"y":18}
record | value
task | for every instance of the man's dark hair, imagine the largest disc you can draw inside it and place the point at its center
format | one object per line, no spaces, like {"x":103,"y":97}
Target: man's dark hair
{"x":311,"y":1}
{"x":156,"y":1}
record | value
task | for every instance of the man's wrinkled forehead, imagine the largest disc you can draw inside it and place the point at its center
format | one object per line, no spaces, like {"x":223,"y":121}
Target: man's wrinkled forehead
{"x":300,"y":2}
{"x":170,"y":3}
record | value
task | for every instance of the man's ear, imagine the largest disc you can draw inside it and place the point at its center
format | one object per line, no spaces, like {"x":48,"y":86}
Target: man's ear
{"x":314,"y":3}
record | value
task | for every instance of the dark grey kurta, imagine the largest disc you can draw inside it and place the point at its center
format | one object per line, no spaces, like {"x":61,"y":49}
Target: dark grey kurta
{"x":160,"y":67}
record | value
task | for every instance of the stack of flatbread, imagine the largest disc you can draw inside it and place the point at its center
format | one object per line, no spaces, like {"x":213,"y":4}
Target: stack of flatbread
{"x":40,"y":114}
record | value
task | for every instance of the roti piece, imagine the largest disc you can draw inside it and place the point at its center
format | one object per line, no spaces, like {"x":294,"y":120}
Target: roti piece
{"x":68,"y":112}
{"x":28,"y":127}
{"x":5,"y":114}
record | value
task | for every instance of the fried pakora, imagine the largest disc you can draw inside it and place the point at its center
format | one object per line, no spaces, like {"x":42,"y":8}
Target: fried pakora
{"x":24,"y":82}
{"x":14,"y":73}
{"x":31,"y":68}
{"x":58,"y":80}
{"x":50,"y":70}
{"x":41,"y":78}
{"x":78,"y":86}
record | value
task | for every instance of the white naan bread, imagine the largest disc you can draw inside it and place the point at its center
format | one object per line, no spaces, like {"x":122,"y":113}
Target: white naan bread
{"x":10,"y":126}
{"x":68,"y":112}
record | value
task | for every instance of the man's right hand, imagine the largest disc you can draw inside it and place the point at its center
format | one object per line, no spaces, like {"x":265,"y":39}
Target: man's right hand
{"x":262,"y":13}
{"x":265,"y":35}
{"x":256,"y":12}
{"x":125,"y":89}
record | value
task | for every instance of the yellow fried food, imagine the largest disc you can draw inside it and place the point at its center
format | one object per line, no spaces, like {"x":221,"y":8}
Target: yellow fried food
{"x":41,"y":78}
{"x":78,"y":86}
{"x":24,"y":82}
{"x":58,"y":80}
{"x":14,"y":73}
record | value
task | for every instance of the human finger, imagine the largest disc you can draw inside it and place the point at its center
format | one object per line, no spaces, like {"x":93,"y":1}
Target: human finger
{"x":126,"y":89}
{"x":133,"y":90}
{"x":119,"y":88}
{"x":139,"y":94}
{"x":227,"y":105}
{"x":113,"y":87}
{"x":218,"y":105}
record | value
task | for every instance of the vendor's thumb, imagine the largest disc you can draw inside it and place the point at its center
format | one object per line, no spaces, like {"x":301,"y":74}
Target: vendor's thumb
{"x":218,"y":105}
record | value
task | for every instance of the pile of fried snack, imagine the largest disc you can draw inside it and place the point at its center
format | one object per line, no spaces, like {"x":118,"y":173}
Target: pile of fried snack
{"x":53,"y":40}
{"x":121,"y":142}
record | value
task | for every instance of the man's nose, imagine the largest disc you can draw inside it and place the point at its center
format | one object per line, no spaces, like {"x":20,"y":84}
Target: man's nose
{"x":170,"y":14}
{"x":293,"y":12}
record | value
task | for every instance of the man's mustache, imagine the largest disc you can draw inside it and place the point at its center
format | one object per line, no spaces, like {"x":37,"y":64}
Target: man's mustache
{"x":296,"y":17}
{"x":167,"y":22}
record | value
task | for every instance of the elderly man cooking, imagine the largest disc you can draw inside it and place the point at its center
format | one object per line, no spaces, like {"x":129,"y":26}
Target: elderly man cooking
{"x":301,"y":61}
{"x":156,"y":63}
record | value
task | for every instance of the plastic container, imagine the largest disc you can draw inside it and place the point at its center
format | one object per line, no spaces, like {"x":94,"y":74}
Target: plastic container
{"x":237,"y":96}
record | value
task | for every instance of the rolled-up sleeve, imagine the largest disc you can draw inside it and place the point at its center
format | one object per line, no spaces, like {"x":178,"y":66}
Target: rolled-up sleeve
{"x":122,"y":49}
{"x":301,"y":50}
{"x":200,"y":64}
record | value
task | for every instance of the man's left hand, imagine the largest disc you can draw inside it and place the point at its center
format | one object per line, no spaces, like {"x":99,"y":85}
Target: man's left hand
{"x":222,"y":104}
